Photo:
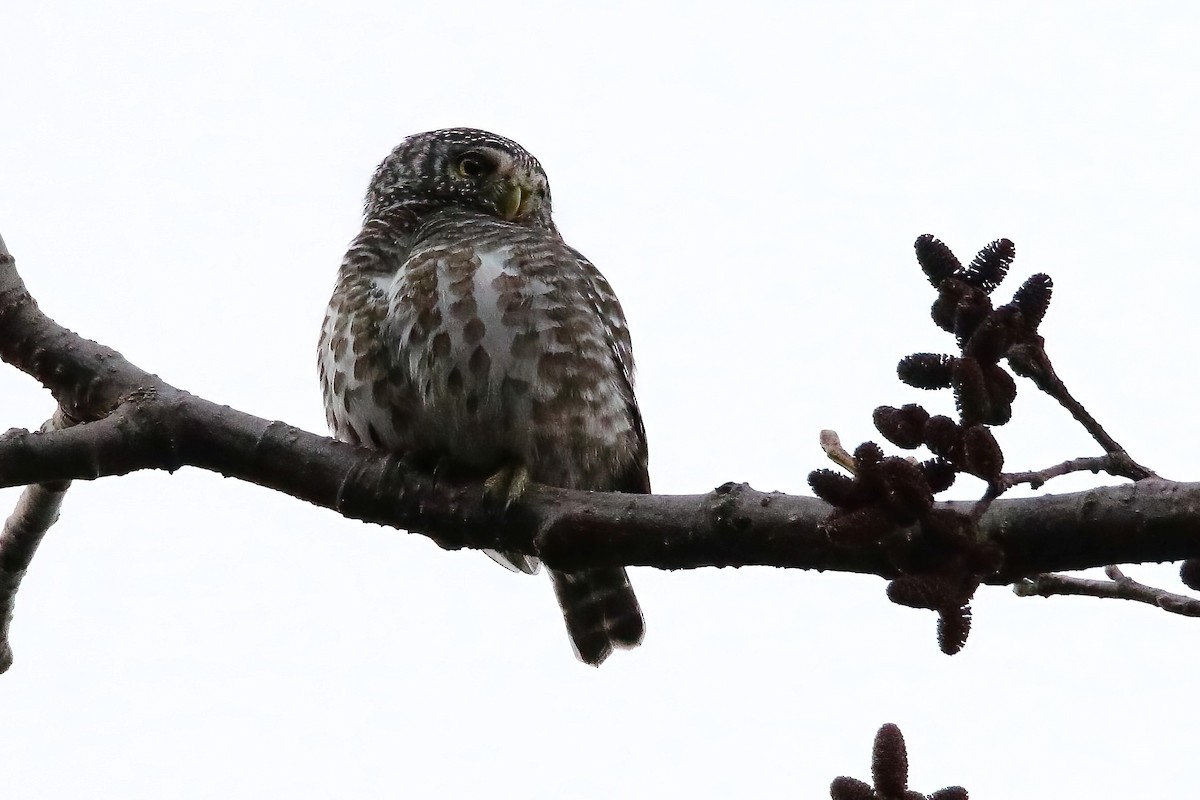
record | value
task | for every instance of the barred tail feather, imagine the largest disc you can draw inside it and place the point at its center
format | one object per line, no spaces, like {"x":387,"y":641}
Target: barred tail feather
{"x":601,"y":611}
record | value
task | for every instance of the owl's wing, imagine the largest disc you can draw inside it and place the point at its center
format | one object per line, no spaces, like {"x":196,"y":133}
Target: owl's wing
{"x":636,"y":479}
{"x":367,"y":396}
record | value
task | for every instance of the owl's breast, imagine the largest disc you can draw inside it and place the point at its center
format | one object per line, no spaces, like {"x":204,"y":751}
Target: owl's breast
{"x":508,"y":359}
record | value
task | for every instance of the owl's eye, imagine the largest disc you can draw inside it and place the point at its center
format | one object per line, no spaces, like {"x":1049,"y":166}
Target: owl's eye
{"x":471,"y":166}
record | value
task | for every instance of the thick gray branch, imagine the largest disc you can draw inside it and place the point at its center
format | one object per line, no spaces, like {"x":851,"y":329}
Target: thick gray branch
{"x":730,"y":526}
{"x":130,"y":420}
{"x":161,"y":427}
{"x":36,"y":510}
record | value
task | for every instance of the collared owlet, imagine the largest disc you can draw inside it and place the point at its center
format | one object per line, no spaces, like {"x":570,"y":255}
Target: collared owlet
{"x":463,"y":330}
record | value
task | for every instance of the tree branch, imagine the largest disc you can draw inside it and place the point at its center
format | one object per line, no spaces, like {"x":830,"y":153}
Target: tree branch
{"x":1118,"y":587}
{"x":162,"y":427}
{"x":1037,"y":478}
{"x":733,"y":525}
{"x":131,"y":420}
{"x":1033,"y":363}
{"x":36,"y":511}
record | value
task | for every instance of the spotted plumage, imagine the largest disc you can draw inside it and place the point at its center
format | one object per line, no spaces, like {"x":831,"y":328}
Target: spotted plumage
{"x":462,"y":329}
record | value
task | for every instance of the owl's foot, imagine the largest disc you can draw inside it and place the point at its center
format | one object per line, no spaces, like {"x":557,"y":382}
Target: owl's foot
{"x":507,"y":484}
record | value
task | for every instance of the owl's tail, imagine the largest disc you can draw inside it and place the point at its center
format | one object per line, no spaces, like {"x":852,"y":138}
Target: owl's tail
{"x":601,"y":611}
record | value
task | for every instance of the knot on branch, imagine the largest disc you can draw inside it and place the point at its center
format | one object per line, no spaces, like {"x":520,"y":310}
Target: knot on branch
{"x":723,"y":508}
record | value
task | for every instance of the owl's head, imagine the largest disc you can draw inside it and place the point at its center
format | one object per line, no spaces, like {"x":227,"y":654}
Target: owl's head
{"x":467,"y":168}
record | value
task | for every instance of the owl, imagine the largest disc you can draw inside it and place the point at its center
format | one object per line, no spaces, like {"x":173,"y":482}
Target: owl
{"x":463,"y":332}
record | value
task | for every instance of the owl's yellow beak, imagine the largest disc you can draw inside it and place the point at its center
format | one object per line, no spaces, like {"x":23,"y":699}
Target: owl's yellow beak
{"x":512,"y":201}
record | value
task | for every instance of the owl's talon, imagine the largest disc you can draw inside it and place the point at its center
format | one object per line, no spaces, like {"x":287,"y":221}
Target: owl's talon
{"x":507,"y":484}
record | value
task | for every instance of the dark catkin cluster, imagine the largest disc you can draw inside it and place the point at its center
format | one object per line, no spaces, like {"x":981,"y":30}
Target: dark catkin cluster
{"x":889,"y":500}
{"x":983,"y":390}
{"x":889,"y":772}
{"x":885,"y":493}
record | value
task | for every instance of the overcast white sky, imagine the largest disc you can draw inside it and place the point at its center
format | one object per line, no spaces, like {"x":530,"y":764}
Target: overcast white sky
{"x":181,"y":186}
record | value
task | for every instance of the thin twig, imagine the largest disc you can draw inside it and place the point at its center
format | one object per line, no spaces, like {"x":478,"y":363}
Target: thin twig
{"x":1037,"y":478}
{"x":1031,"y":361}
{"x":1120,"y":587}
{"x":1118,"y":464}
{"x":1112,"y":463}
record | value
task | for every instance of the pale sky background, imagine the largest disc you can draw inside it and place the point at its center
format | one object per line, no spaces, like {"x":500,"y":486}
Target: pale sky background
{"x":181,"y":185}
